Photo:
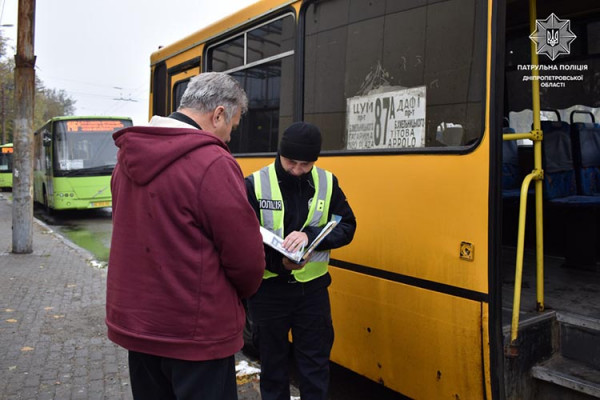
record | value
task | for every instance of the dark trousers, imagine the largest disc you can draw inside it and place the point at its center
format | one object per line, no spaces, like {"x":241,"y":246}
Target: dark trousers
{"x":277,"y":308}
{"x":161,"y":378}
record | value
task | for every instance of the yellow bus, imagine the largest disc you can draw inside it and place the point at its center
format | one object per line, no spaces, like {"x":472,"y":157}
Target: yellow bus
{"x":416,"y":101}
{"x":6,"y":166}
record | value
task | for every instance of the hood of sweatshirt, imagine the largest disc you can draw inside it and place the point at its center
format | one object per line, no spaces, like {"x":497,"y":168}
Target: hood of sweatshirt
{"x":146,"y":151}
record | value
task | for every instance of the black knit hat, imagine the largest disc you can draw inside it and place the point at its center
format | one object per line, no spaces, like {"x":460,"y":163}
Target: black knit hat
{"x":301,"y":141}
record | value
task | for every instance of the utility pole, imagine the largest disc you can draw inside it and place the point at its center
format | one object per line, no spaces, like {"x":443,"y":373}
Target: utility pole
{"x":22,"y":217}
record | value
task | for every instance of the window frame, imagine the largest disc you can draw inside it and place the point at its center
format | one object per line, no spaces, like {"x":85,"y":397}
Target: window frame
{"x":244,"y":32}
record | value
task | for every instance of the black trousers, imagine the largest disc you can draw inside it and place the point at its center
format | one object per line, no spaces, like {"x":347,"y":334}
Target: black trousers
{"x":277,"y":308}
{"x":161,"y":378}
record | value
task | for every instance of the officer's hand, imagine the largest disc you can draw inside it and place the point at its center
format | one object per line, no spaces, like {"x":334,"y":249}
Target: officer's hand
{"x":295,"y":241}
{"x":290,"y":265}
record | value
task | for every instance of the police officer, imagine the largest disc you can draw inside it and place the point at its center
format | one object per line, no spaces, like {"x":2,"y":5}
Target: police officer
{"x":294,"y":198}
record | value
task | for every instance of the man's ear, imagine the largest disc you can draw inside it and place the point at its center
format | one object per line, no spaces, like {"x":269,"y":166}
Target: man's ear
{"x":218,"y":115}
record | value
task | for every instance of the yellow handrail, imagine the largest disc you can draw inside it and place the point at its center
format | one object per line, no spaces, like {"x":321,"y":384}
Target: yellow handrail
{"x":536,"y":175}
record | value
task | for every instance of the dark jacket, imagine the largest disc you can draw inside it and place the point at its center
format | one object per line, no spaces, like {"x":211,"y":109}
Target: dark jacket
{"x":296,"y":193}
{"x":186,"y":245}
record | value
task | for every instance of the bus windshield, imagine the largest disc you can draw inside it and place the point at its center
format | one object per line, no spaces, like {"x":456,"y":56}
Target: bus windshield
{"x":6,"y":159}
{"x":86,"y":144}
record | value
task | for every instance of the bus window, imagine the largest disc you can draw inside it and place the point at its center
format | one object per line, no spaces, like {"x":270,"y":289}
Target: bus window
{"x":270,"y":39}
{"x":259,"y":129}
{"x":85,"y":144}
{"x":261,"y":59}
{"x":6,"y":165}
{"x":6,"y":159}
{"x":178,"y":91}
{"x":385,"y":75}
{"x":227,"y":55}
{"x":61,"y":150}
{"x":159,"y":90}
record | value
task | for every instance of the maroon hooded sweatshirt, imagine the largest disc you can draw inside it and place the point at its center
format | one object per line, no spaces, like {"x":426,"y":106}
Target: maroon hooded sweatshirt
{"x":186,"y":245}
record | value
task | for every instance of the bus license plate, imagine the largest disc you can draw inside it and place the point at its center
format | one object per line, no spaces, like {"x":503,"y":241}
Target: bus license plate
{"x":101,"y":204}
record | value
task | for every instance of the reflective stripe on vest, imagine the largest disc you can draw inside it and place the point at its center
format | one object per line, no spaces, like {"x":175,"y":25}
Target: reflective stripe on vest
{"x":270,"y":201}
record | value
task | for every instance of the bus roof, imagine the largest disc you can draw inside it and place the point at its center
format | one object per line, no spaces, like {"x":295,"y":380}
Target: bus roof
{"x":74,"y":117}
{"x":71,"y":117}
{"x":227,"y":23}
{"x":6,"y":145}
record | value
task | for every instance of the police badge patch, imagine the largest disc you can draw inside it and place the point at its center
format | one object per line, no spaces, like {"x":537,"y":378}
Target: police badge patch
{"x":268,"y":204}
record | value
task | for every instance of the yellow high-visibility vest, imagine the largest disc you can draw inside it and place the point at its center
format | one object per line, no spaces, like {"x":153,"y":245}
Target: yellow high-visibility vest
{"x":270,"y":200}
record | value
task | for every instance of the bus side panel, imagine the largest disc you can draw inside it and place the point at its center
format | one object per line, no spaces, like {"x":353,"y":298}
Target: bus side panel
{"x":250,"y":165}
{"x":413,"y":212}
{"x":6,"y":179}
{"x":423,"y":344}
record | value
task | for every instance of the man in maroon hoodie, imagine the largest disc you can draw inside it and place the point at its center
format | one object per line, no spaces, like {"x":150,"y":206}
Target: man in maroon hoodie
{"x":186,"y":247}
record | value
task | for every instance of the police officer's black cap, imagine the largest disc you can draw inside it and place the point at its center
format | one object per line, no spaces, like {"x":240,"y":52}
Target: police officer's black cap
{"x":301,"y":141}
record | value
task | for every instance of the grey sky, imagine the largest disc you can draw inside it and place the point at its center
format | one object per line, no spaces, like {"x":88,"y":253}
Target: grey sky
{"x":99,"y":51}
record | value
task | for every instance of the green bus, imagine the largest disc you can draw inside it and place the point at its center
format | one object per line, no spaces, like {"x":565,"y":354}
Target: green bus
{"x":73,"y":161}
{"x":6,"y":163}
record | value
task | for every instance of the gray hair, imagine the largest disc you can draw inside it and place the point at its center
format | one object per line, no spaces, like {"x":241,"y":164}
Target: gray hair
{"x":207,"y":91}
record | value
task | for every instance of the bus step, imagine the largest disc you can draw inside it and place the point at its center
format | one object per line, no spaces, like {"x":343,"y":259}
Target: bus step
{"x":577,"y":380}
{"x":579,"y":338}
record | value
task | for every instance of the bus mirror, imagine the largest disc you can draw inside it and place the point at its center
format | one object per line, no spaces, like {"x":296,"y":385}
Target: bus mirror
{"x":47,"y":139}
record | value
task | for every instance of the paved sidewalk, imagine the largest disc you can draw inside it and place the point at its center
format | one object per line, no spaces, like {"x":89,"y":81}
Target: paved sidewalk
{"x":53,"y":341}
{"x":52,"y":335}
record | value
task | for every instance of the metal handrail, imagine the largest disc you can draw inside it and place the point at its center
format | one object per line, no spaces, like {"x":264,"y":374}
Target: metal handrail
{"x":537,"y":175}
